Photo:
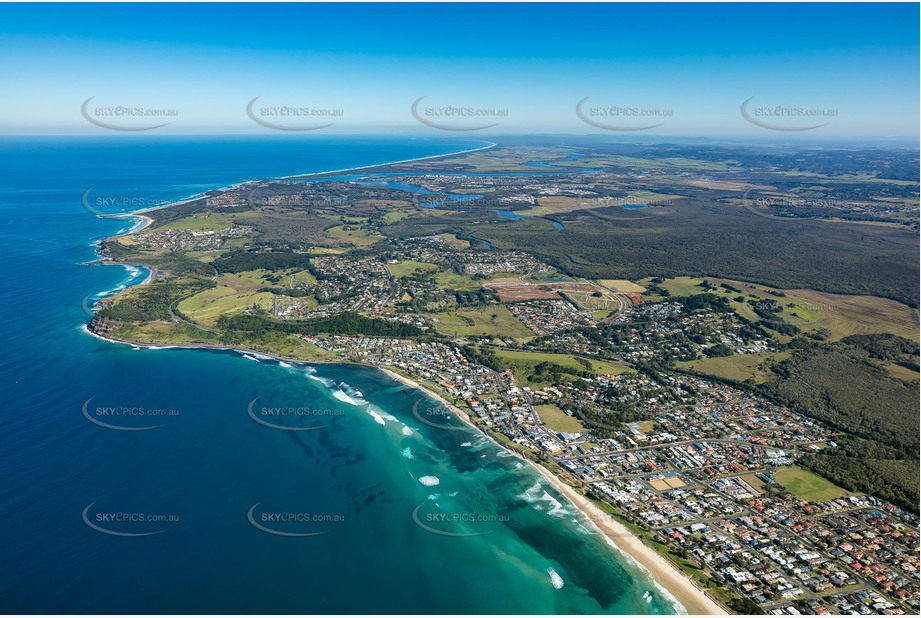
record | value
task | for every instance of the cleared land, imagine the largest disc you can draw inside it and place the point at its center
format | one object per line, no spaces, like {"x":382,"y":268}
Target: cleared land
{"x":806,"y":485}
{"x":352,"y":235}
{"x":557,"y":420}
{"x":450,"y":279}
{"x":739,"y":367}
{"x":252,"y":280}
{"x":810,"y":310}
{"x":206,"y":307}
{"x":457,"y":243}
{"x":512,"y":292}
{"x":494,"y":320}
{"x":756,"y":483}
{"x":669,"y":482}
{"x":395,"y":215}
{"x":621,"y":285}
{"x":643,"y":426}
{"x":523,"y":364}
{"x":408,"y":267}
{"x":208,"y":223}
{"x":902,"y":373}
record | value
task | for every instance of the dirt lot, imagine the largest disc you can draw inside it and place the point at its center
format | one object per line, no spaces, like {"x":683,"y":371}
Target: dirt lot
{"x":512,"y":292}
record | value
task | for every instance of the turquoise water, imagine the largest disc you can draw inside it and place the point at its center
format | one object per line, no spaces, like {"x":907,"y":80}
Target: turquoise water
{"x":216,"y":493}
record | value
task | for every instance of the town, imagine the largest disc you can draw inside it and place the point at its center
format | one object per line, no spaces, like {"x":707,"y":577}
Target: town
{"x":700,"y":476}
{"x":595,"y":378}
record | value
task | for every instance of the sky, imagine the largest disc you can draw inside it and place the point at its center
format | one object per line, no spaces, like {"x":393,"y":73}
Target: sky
{"x":816,"y":70}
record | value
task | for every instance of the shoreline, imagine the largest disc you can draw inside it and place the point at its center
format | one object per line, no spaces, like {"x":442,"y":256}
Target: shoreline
{"x":146,"y":220}
{"x":236,"y":185}
{"x":660,"y":571}
{"x":367,"y":167}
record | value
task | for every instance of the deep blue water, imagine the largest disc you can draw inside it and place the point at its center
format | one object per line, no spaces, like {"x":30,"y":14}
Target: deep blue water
{"x":209,"y":468}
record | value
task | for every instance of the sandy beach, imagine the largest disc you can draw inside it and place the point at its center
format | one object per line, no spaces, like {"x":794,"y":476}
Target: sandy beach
{"x":679,"y":585}
{"x":144,"y":223}
{"x":692,"y":598}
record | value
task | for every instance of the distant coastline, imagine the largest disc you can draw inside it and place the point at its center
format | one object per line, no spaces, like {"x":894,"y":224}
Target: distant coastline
{"x":198,"y":196}
{"x":676,"y":584}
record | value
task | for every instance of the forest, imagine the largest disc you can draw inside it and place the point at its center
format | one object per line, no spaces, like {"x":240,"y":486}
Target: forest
{"x":841,"y":385}
{"x":704,"y":238}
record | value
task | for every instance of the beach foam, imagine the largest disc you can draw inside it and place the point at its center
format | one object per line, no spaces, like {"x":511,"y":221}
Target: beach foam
{"x":536,"y":494}
{"x":677,"y":607}
{"x":555,"y":580}
{"x":377,"y":417}
{"x":341,"y":396}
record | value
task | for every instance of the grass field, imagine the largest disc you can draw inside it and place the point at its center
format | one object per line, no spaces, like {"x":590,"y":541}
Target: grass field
{"x":902,"y":373}
{"x":450,"y":279}
{"x":408,"y":267}
{"x":645,"y":426}
{"x":207,"y":256}
{"x":246,"y":281}
{"x":559,"y":204}
{"x":806,"y":485}
{"x":294,"y":347}
{"x":494,"y":320}
{"x":522,"y":364}
{"x":809,"y":310}
{"x":300,"y":276}
{"x":235,"y":243}
{"x":669,"y":162}
{"x":395,"y":215}
{"x":252,"y":280}
{"x":557,"y":420}
{"x":211,"y":222}
{"x":206,"y":307}
{"x":738,"y":367}
{"x":495,"y":159}
{"x":358,"y":237}
{"x":857,"y":315}
{"x":754,"y":481}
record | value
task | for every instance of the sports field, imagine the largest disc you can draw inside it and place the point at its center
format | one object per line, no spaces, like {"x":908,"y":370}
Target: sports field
{"x":806,"y":485}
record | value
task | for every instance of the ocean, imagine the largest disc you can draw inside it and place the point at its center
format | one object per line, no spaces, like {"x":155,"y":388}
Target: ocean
{"x":245,"y":485}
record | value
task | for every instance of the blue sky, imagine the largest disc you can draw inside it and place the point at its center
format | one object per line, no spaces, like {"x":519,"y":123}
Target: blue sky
{"x":692,"y":65}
